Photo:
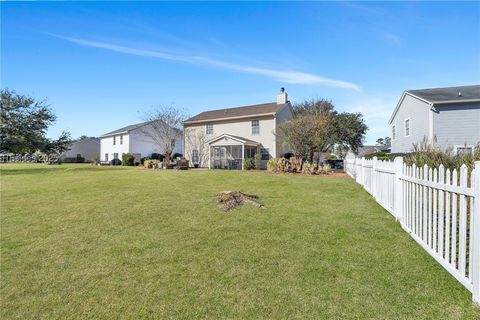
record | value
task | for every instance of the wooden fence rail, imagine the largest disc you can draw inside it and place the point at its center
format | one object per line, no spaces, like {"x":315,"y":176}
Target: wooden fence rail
{"x":438,"y":207}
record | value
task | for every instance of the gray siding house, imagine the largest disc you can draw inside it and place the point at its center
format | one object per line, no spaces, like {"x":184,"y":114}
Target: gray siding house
{"x":448,"y":117}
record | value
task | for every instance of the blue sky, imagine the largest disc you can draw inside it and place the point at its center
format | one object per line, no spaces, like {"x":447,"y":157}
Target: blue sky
{"x":101,"y":64}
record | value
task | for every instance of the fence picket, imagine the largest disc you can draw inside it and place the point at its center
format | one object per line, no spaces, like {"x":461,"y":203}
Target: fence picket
{"x":454,"y":220}
{"x":462,"y":223}
{"x":447,"y":217}
{"x":435,"y":213}
{"x":441,"y":194}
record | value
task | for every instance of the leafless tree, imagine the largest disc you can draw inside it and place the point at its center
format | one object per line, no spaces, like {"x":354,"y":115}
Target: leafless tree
{"x":196,"y":139}
{"x":164,"y":127}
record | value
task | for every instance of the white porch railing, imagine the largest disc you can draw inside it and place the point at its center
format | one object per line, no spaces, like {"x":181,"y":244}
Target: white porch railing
{"x":439,"y":208}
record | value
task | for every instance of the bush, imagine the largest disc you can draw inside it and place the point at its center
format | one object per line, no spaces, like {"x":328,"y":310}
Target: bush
{"x":116,"y":162}
{"x":127,"y":159}
{"x":308,"y":168}
{"x":150,"y":163}
{"x":249,"y":163}
{"x":177,"y":155}
{"x":257,"y":159}
{"x":272,"y":165}
{"x":277,"y":165}
{"x":95,"y":159}
{"x":157,"y":156}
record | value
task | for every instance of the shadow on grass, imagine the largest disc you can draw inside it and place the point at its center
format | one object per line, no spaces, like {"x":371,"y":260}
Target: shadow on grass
{"x":49,"y":169}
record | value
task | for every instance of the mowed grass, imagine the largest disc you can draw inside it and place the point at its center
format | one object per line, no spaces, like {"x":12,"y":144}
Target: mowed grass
{"x":86,"y":242}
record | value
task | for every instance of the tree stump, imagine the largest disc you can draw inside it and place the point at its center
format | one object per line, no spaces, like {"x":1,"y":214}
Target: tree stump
{"x":228,"y":200}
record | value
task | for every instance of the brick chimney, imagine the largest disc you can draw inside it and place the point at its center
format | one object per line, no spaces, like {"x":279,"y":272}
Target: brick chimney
{"x":282,"y":97}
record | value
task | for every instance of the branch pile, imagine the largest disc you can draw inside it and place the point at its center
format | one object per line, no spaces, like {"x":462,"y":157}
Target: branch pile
{"x":228,"y":200}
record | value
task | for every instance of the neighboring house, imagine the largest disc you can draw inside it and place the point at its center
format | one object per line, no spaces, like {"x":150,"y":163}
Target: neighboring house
{"x":135,"y":140}
{"x":448,"y":117}
{"x":367,"y":150}
{"x":222,"y":139}
{"x":82,"y":150}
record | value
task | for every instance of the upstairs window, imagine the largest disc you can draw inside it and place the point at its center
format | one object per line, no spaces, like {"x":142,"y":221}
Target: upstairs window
{"x":394,"y":133}
{"x":121,"y":139}
{"x":114,"y":140}
{"x":209,"y":128}
{"x":407,"y":127}
{"x":255,"y":127}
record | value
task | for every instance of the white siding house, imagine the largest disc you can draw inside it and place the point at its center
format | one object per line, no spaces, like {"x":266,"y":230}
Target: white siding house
{"x":448,"y":117}
{"x":221,"y":139}
{"x":84,"y":149}
{"x":132,"y":139}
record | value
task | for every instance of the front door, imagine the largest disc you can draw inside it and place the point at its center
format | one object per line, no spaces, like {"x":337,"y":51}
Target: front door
{"x":219,"y":158}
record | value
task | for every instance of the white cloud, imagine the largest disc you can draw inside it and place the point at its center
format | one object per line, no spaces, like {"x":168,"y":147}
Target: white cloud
{"x":287,"y":76}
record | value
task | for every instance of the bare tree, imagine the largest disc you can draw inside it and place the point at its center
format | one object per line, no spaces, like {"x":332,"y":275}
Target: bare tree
{"x":196,"y":140}
{"x":164,"y":127}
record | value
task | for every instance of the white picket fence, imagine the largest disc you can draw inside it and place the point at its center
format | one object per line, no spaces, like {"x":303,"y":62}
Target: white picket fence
{"x":439,"y":208}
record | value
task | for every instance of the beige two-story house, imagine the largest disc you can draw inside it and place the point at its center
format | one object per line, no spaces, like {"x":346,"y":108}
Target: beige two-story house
{"x":223,"y":138}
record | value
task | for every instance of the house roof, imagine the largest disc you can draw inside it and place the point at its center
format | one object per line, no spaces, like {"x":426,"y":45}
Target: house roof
{"x":436,"y":96}
{"x":366,"y":150}
{"x":238,"y":112}
{"x":448,"y":95}
{"x":126,"y":129}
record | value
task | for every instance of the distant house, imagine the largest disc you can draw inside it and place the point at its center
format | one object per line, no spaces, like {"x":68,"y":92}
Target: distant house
{"x":223,"y":138}
{"x":448,"y":117}
{"x":135,"y":140}
{"x":82,"y":150}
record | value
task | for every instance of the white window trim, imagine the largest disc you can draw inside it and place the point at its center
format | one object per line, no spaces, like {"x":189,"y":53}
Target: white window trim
{"x":206,"y":129}
{"x":257,"y":127}
{"x":409,"y":127}
{"x":394,"y":137}
{"x":463,"y":146}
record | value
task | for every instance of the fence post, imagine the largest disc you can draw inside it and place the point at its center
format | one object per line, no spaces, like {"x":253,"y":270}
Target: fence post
{"x":374,"y":177}
{"x":398,"y":190}
{"x":476,"y":236}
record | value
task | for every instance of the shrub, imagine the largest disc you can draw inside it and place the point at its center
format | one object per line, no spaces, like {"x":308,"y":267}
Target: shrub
{"x":127,"y":159}
{"x":249,"y":163}
{"x":308,"y":168}
{"x":272,"y":165}
{"x":157,"y":156}
{"x":150,"y":163}
{"x":95,"y":159}
{"x":326,"y":168}
{"x":116,"y":162}
{"x":257,"y":159}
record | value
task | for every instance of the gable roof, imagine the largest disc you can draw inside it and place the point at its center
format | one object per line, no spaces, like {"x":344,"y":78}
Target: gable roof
{"x":238,"y":112}
{"x":446,"y":96}
{"x":236,"y":138}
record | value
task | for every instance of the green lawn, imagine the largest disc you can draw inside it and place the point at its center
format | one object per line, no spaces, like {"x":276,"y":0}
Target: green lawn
{"x":85,"y":242}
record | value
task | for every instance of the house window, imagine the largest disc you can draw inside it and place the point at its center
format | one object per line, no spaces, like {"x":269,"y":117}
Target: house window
{"x":265,"y":153}
{"x":255,"y":126}
{"x":195,"y":156}
{"x":115,"y":156}
{"x":463,"y":150}
{"x":407,"y":127}
{"x":394,"y":134}
{"x":114,"y":140}
{"x":209,"y":128}
{"x":121,"y":139}
{"x":79,"y":155}
{"x":106,"y":156}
